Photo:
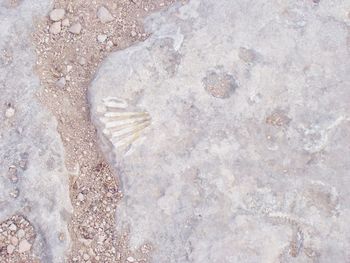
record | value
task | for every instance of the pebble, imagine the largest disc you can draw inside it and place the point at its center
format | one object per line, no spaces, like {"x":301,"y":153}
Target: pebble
{"x":82,"y":61}
{"x":110,"y":44}
{"x":65,"y":22}
{"x":130,"y":259}
{"x":24,"y":246}
{"x":13,"y":227}
{"x":10,"y":112}
{"x":133,"y":33}
{"x":55,"y":28}
{"x":14,"y":193}
{"x":57,"y":14}
{"x":14,"y":241}
{"x":86,"y":257}
{"x":21,"y":233}
{"x":101,"y":38}
{"x":104,"y":15}
{"x":61,"y":83}
{"x":81,"y":197}
{"x":75,"y":28}
{"x":10,"y":249}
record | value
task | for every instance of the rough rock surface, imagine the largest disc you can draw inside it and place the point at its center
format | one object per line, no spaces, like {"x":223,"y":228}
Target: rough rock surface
{"x":247,"y":157}
{"x":33,"y":179}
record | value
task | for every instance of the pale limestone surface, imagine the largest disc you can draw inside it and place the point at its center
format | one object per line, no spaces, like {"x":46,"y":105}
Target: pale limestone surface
{"x":247,"y":158}
{"x":29,"y":140}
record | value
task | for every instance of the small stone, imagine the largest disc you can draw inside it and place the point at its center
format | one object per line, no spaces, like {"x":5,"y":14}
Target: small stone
{"x":65,"y":22}
{"x":104,"y":15}
{"x":14,"y":193}
{"x":61,"y":236}
{"x":10,"y":112}
{"x":82,"y":61}
{"x":61,"y":83}
{"x":75,"y":28}
{"x":86,"y":257}
{"x":130,"y":259}
{"x":55,"y":28}
{"x":81,"y":197}
{"x":57,"y":14}
{"x":110,"y":44}
{"x":24,"y":246}
{"x":101,"y":38}
{"x":10,"y":249}
{"x":133,"y":33}
{"x":14,"y":241}
{"x":13,"y":227}
{"x":21,"y":233}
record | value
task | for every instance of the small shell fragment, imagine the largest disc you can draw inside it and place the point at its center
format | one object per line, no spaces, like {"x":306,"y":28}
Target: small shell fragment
{"x":122,"y":127}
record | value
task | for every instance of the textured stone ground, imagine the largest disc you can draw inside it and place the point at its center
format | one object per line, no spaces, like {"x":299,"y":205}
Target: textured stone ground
{"x":247,"y":155}
{"x":221,"y":135}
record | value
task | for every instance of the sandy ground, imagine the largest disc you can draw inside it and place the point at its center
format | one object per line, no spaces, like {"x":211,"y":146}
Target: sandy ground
{"x":69,"y":51}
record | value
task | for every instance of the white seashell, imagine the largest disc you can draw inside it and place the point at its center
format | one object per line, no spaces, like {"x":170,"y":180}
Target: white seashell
{"x":122,"y":127}
{"x":115,"y":103}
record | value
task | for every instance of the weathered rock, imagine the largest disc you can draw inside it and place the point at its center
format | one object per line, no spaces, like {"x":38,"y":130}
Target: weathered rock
{"x":101,"y":38}
{"x":104,"y":15}
{"x":13,"y":227}
{"x":82,"y":61}
{"x":65,"y":22}
{"x":55,"y":28}
{"x":14,"y":241}
{"x":239,"y":148}
{"x":21,"y":233}
{"x":10,"y":249}
{"x":57,"y":14}
{"x":81,"y":197}
{"x":75,"y":28}
{"x":24,"y":246}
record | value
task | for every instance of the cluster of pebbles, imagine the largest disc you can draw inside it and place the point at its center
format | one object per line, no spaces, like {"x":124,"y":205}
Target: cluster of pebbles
{"x":17,"y":236}
{"x":60,"y":22}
